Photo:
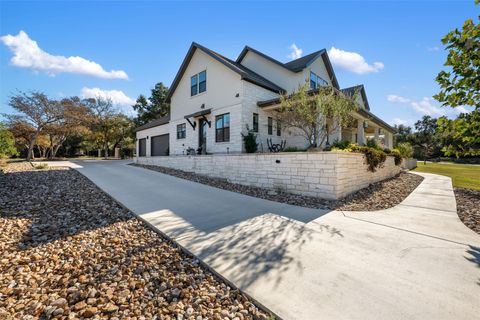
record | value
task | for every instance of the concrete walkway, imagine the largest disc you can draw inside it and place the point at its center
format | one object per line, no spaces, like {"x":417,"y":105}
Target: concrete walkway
{"x":414,"y":261}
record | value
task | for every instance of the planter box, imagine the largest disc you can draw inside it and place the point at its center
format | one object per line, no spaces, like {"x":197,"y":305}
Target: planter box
{"x":329,"y":175}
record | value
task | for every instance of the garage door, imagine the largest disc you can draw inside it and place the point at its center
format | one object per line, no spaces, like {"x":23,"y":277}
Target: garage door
{"x":160,"y":145}
{"x":142,"y":147}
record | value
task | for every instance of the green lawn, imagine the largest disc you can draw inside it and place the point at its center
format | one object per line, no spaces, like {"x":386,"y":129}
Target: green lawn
{"x":463,"y":176}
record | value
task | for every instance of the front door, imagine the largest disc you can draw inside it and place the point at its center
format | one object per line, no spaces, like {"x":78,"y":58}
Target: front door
{"x":202,"y":136}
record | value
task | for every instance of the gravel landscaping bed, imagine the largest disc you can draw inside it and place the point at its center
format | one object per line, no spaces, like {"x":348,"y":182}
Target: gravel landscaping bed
{"x":70,"y":251}
{"x":377,"y":196}
{"x":468,"y":207}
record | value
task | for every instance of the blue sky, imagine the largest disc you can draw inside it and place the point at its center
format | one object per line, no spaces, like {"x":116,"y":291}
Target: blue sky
{"x":393,"y":48}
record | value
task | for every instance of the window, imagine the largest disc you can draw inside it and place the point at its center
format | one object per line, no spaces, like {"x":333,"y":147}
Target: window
{"x":181,"y":131}
{"x":279,"y":128}
{"x":202,"y":81}
{"x":193,"y":85}
{"x":270,"y":126}
{"x":316,"y":81}
{"x":313,"y":80}
{"x":142,"y":147}
{"x":222,"y":128}
{"x":198,"y":83}
{"x":255,"y":122}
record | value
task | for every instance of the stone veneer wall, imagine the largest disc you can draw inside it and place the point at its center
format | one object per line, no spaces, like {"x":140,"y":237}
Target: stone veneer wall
{"x":330,"y":175}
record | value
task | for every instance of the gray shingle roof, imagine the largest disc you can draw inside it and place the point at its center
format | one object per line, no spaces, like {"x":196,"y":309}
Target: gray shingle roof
{"x":154,"y":123}
{"x":296,"y":65}
{"x":244,"y":72}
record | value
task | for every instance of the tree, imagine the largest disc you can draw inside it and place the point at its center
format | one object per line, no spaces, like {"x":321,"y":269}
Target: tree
{"x":103,"y":113}
{"x":7,"y":142}
{"x":38,"y":111}
{"x":74,"y":122}
{"x":403,"y":134}
{"x":425,"y":136}
{"x":461,"y":84}
{"x":153,"y":107}
{"x":316,"y":115}
{"x":460,"y":137}
{"x":22,"y":131}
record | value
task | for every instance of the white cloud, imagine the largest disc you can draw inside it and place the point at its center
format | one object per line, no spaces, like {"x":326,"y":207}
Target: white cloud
{"x":296,"y":52}
{"x":27,"y":54}
{"x":397,"y":99}
{"x":116,"y":96}
{"x":433,"y":49}
{"x":352,"y":61}
{"x":426,"y":106}
{"x":398,"y":121}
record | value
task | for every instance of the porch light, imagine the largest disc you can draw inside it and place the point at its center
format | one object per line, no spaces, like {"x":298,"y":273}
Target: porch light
{"x":365,"y":124}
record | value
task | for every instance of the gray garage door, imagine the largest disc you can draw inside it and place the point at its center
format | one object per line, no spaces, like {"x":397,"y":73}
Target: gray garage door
{"x":160,"y":145}
{"x":142,"y":147}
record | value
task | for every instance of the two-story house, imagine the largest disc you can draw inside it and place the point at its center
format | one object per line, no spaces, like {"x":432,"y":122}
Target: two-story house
{"x":213,"y":99}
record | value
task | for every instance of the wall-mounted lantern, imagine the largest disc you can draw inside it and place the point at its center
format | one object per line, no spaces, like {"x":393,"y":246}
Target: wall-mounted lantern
{"x":365,"y":124}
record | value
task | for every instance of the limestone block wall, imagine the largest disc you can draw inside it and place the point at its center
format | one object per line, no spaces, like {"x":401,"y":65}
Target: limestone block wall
{"x":329,"y":175}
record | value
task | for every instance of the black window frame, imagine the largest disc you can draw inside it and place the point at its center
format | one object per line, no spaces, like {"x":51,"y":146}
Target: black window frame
{"x":313,"y":83}
{"x":194,"y":87}
{"x":222,"y":132}
{"x":279,"y":128}
{"x":144,"y":149}
{"x":255,"y":122}
{"x":270,"y":125}
{"x":200,"y":82}
{"x":197,"y":86}
{"x":181,"y":131}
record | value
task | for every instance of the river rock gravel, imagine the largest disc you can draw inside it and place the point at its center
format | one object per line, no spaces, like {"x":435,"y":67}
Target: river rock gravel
{"x":69,"y":251}
{"x":377,"y":196}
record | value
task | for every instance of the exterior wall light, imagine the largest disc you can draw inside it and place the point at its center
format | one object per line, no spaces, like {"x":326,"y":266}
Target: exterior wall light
{"x":365,"y":124}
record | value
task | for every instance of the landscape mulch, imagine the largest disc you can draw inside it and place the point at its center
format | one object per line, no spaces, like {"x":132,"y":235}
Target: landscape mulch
{"x":468,"y":207}
{"x":69,"y":251}
{"x":377,"y":196}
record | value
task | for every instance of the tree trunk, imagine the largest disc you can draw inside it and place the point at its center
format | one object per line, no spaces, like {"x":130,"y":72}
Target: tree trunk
{"x":31,"y":145}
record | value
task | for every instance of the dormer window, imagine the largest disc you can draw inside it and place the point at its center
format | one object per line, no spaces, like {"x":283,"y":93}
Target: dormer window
{"x":316,"y":81}
{"x":198,"y":83}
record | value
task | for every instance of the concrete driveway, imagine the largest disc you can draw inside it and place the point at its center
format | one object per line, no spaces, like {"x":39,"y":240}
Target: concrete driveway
{"x":414,"y":261}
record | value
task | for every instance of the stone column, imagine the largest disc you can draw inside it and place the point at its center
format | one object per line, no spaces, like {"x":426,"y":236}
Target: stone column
{"x":117,"y":153}
{"x":360,"y":132}
{"x":99,"y":153}
{"x":337,"y":134}
{"x":377,"y":134}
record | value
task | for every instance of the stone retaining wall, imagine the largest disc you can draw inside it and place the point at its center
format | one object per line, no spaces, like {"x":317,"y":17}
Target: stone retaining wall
{"x":330,"y":175}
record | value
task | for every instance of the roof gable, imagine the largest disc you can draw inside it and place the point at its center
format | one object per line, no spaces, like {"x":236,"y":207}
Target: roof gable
{"x":245,"y":73}
{"x":351,"y":91}
{"x":296,"y":65}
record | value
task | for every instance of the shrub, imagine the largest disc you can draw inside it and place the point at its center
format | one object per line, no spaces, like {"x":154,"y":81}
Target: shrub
{"x":374,"y":157}
{"x":397,"y":156}
{"x":387,"y":151}
{"x":250,"y":141}
{"x":405,"y":149}
{"x":340,"y":145}
{"x":372,"y":143}
{"x":41,"y":166}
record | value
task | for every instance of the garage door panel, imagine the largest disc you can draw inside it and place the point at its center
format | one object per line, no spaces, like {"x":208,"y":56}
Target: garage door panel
{"x":160,"y":145}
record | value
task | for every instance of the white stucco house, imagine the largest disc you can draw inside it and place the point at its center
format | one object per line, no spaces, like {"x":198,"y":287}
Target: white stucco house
{"x":213,"y":99}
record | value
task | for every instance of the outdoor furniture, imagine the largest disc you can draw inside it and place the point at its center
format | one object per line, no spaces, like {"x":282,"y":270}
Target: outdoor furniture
{"x":276,"y":147}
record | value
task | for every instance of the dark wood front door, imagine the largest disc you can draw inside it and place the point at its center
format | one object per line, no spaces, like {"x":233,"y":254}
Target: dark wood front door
{"x":202,"y":136}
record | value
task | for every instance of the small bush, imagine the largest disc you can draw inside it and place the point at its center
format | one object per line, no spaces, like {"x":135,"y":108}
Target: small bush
{"x":250,"y":141}
{"x":387,"y":151}
{"x":340,"y":145}
{"x":41,"y":166}
{"x":397,"y":156}
{"x":405,"y":149}
{"x":372,"y":143}
{"x":374,"y":157}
